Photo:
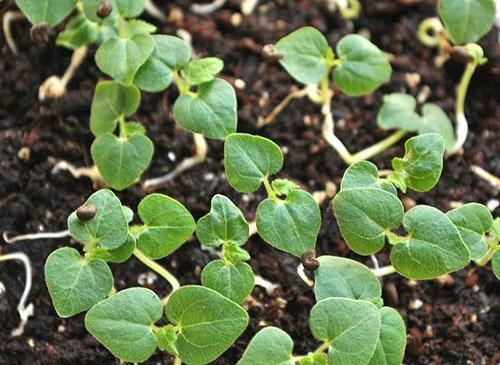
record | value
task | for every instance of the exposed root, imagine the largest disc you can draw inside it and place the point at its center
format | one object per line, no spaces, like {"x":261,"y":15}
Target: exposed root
{"x":295,"y":93}
{"x":266,"y":284}
{"x":383,"y":271}
{"x":9,"y":17}
{"x":188,"y":163}
{"x":205,"y":9}
{"x":492,"y":179}
{"x":303,"y":276}
{"x":24,"y":311}
{"x":153,"y":10}
{"x":77,"y":172}
{"x":34,"y":236}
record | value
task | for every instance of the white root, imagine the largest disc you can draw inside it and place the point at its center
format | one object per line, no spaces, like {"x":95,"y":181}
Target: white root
{"x":248,"y":6}
{"x":303,"y":276}
{"x":295,"y":93}
{"x":205,"y":9}
{"x":34,"y":236}
{"x":24,"y":311}
{"x":376,"y":265}
{"x":188,"y":163}
{"x":266,"y":284}
{"x":77,"y":172}
{"x":383,"y":271}
{"x":492,"y":179}
{"x":55,"y":87}
{"x":153,"y":10}
{"x":9,"y":17}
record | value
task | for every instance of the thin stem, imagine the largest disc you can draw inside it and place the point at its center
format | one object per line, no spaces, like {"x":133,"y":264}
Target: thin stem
{"x":181,"y":84}
{"x":303,"y":276}
{"x":462,"y":127}
{"x":270,"y":192}
{"x":378,"y":147}
{"x":123,"y":128}
{"x":294,"y":94}
{"x":204,"y":9}
{"x":77,"y":58}
{"x":493,"y":247}
{"x":35,"y":236}
{"x":177,"y":361}
{"x":492,"y":179}
{"x":8,"y":18}
{"x":383,"y":271}
{"x":152,"y":10}
{"x":158,"y":268}
{"x":325,"y":346}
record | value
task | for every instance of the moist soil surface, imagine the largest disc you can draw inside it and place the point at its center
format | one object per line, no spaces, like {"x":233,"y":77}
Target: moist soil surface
{"x":453,"y":322}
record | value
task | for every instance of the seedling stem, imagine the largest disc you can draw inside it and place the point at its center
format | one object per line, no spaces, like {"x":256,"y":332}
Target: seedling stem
{"x":34,"y":236}
{"x":157,"y":268}
{"x":9,"y":17}
{"x":383,"y":271}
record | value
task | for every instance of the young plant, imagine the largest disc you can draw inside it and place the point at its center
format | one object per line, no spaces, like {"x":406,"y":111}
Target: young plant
{"x":348,"y":9}
{"x":462,"y":23}
{"x":349,"y":319}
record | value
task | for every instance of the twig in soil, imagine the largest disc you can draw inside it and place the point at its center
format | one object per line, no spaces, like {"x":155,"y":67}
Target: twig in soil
{"x":188,"y":163}
{"x":91,"y":172}
{"x":55,"y":87}
{"x":34,"y":236}
{"x":205,"y":9}
{"x":153,"y":10}
{"x":9,"y":17}
{"x":266,"y":284}
{"x":295,"y":93}
{"x":492,"y":179}
{"x":24,"y":311}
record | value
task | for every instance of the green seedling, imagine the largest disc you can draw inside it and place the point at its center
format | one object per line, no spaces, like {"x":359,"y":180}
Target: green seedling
{"x":349,"y":319}
{"x":462,"y":23}
{"x":348,"y":9}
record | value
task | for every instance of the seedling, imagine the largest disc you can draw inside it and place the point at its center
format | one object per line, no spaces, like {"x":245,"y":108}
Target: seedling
{"x":462,"y":23}
{"x":348,"y":9}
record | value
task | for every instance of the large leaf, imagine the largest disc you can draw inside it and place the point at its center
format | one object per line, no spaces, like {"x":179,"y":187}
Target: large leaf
{"x":303,"y":54}
{"x":433,"y":246}
{"x":249,"y":160}
{"x":172,"y":51}
{"x":209,"y":323}
{"x":466,"y":21}
{"x":108,"y":228}
{"x":364,"y":174}
{"x":352,"y":327}
{"x":363,"y":66}
{"x":211,"y":111}
{"x":76,"y":284}
{"x":124,"y":323}
{"x":270,"y":346}
{"x":392,"y":342}
{"x":168,"y":224}
{"x":398,"y":112}
{"x":291,"y":225}
{"x":202,"y":70}
{"x":337,"y":277}
{"x":473,"y":221}
{"x":46,"y":11}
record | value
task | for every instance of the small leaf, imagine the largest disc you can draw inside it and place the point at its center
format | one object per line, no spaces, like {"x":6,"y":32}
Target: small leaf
{"x":90,"y":8}
{"x":172,"y":51}
{"x":249,"y":160}
{"x":153,"y":76}
{"x":121,"y":161}
{"x":303,"y":53}
{"x":398,"y":112}
{"x":78,"y":32}
{"x":435,"y":120}
{"x":211,"y":111}
{"x":124,"y":323}
{"x":234,"y":253}
{"x":168,"y":225}
{"x":433,"y":248}
{"x":225,"y":223}
{"x":137,"y":26}
{"x":112,"y":101}
{"x":108,"y":228}
{"x":473,"y":221}
{"x":291,"y":225}
{"x":283,"y":186}
{"x":235,"y":282}
{"x":51,"y":12}
{"x":364,"y":174}
{"x":76,"y":284}
{"x":118,"y":255}
{"x":466,"y":21}
{"x":351,"y":326}
{"x":392,"y":342}
{"x":314,"y":359}
{"x":202,"y":70}
{"x":209,"y":323}
{"x":166,"y":338}
{"x":270,"y":346}
{"x":495,"y":263}
{"x":338,"y":277}
{"x":363,"y":66}
{"x":422,"y":164}
{"x":130,"y":8}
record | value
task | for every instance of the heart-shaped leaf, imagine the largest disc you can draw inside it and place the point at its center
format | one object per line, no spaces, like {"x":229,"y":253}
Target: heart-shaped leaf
{"x":202,"y":70}
{"x":130,"y":8}
{"x":433,"y":248}
{"x":291,"y":225}
{"x":235,"y":282}
{"x":153,"y":76}
{"x":352,"y":327}
{"x":78,"y":32}
{"x":364,"y":174}
{"x":118,"y":255}
{"x":76,"y":284}
{"x":249,"y":160}
{"x":398,"y":112}
{"x":363,"y":66}
{"x":392,"y":342}
{"x":124,"y":323}
{"x":46,"y":11}
{"x":211,"y":111}
{"x":168,"y":224}
{"x":435,"y":120}
{"x":121,"y":161}
{"x":270,"y":346}
{"x":108,"y":228}
{"x":209,"y":323}
{"x":90,"y":8}
{"x":172,"y":51}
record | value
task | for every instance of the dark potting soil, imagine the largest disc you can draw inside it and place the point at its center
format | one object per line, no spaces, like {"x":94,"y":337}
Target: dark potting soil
{"x":454,"y":323}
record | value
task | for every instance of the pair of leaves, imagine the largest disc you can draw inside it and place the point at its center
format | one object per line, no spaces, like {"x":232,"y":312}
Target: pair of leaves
{"x":207,"y":323}
{"x":51,"y":12}
{"x":398,"y":112}
{"x":360,"y":68}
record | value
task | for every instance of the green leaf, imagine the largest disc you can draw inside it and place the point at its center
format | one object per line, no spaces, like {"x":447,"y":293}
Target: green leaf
{"x":78,"y":32}
{"x":363,"y":216}
{"x":270,"y":346}
{"x":90,"y":8}
{"x":473,"y":221}
{"x":392,"y":342}
{"x":76,"y":284}
{"x":303,"y":53}
{"x":202,"y":70}
{"x":118,"y":255}
{"x":130,"y":8}
{"x":235,"y":282}
{"x":364,"y":174}
{"x":112,"y":101}
{"x":495,"y":263}
{"x":422,"y":164}
{"x":398,"y":112}
{"x":121,"y":161}
{"x":166,"y":338}
{"x":209,"y":323}
{"x":435,"y":120}
{"x":351,"y":326}
{"x":249,"y":160}
{"x":108,"y":228}
{"x":153,"y":76}
{"x":124,"y":323}
{"x":495,"y":228}
{"x":433,"y":248}
{"x":211,"y":111}
{"x":291,"y":225}
{"x":283,"y":186}
{"x":51,"y":12}
{"x":137,"y":26}
{"x":314,"y":359}
{"x":234,"y":253}
{"x":225,"y":223}
{"x":363,"y":66}
{"x":337,"y":277}
{"x":466,"y":21}
{"x":121,"y":58}
{"x":168,"y":224}
{"x":172,"y":51}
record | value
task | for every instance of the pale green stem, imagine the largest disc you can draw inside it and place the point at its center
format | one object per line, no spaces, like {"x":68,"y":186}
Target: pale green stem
{"x":378,"y":147}
{"x":270,"y":192}
{"x":177,"y":361}
{"x":181,"y":84}
{"x":321,"y":349}
{"x":123,"y":128}
{"x":493,"y":247}
{"x":462,"y":127}
{"x":383,"y":271}
{"x":157,"y":268}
